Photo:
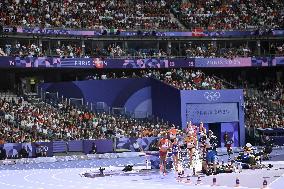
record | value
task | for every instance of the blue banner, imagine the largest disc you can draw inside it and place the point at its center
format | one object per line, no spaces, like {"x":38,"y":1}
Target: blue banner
{"x":137,"y":63}
{"x":13,"y":150}
{"x":43,"y":146}
{"x":123,"y":33}
{"x":263,"y":61}
{"x":279,"y":61}
{"x":100,"y":146}
{"x":222,"y":62}
{"x":75,"y":146}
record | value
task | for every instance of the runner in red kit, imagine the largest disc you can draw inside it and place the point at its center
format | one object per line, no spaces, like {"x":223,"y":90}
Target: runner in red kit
{"x":164,"y":145}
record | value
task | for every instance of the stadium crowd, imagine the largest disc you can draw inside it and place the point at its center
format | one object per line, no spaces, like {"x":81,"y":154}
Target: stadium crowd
{"x":179,"y":78}
{"x":138,"y":14}
{"x":2,"y":53}
{"x":70,"y":51}
{"x":73,"y":50}
{"x":263,"y":105}
{"x":210,"y":51}
{"x":277,"y":49}
{"x":94,"y":14}
{"x":190,"y":80}
{"x":34,"y":122}
{"x":230,"y":15}
{"x":21,"y":50}
{"x":33,"y":50}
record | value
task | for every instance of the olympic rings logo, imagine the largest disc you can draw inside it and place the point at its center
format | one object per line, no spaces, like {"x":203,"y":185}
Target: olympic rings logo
{"x":212,"y":96}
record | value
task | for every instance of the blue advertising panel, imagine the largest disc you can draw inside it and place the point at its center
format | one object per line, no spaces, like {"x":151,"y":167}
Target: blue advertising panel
{"x":75,"y":146}
{"x":13,"y":149}
{"x":129,"y":143}
{"x":137,"y":63}
{"x":279,"y":61}
{"x":262,"y":61}
{"x":98,"y":32}
{"x":222,"y":62}
{"x":101,"y":146}
{"x":46,"y":146}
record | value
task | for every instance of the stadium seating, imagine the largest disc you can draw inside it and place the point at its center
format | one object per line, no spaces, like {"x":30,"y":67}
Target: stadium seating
{"x":230,"y":15}
{"x":119,"y":14}
{"x":137,"y":14}
{"x":33,"y":121}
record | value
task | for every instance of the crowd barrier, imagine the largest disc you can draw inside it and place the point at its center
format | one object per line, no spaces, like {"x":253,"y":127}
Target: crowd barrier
{"x":100,"y":146}
{"x":97,"y":148}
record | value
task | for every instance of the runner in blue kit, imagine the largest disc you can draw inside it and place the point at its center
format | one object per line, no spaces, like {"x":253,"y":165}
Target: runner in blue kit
{"x":175,"y":151}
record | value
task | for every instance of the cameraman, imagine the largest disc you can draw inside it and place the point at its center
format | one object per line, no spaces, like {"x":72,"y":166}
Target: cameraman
{"x":3,"y":154}
{"x":23,"y":153}
{"x":268,"y":147}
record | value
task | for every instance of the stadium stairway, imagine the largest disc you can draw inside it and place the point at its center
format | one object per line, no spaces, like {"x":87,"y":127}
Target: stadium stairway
{"x":175,"y":20}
